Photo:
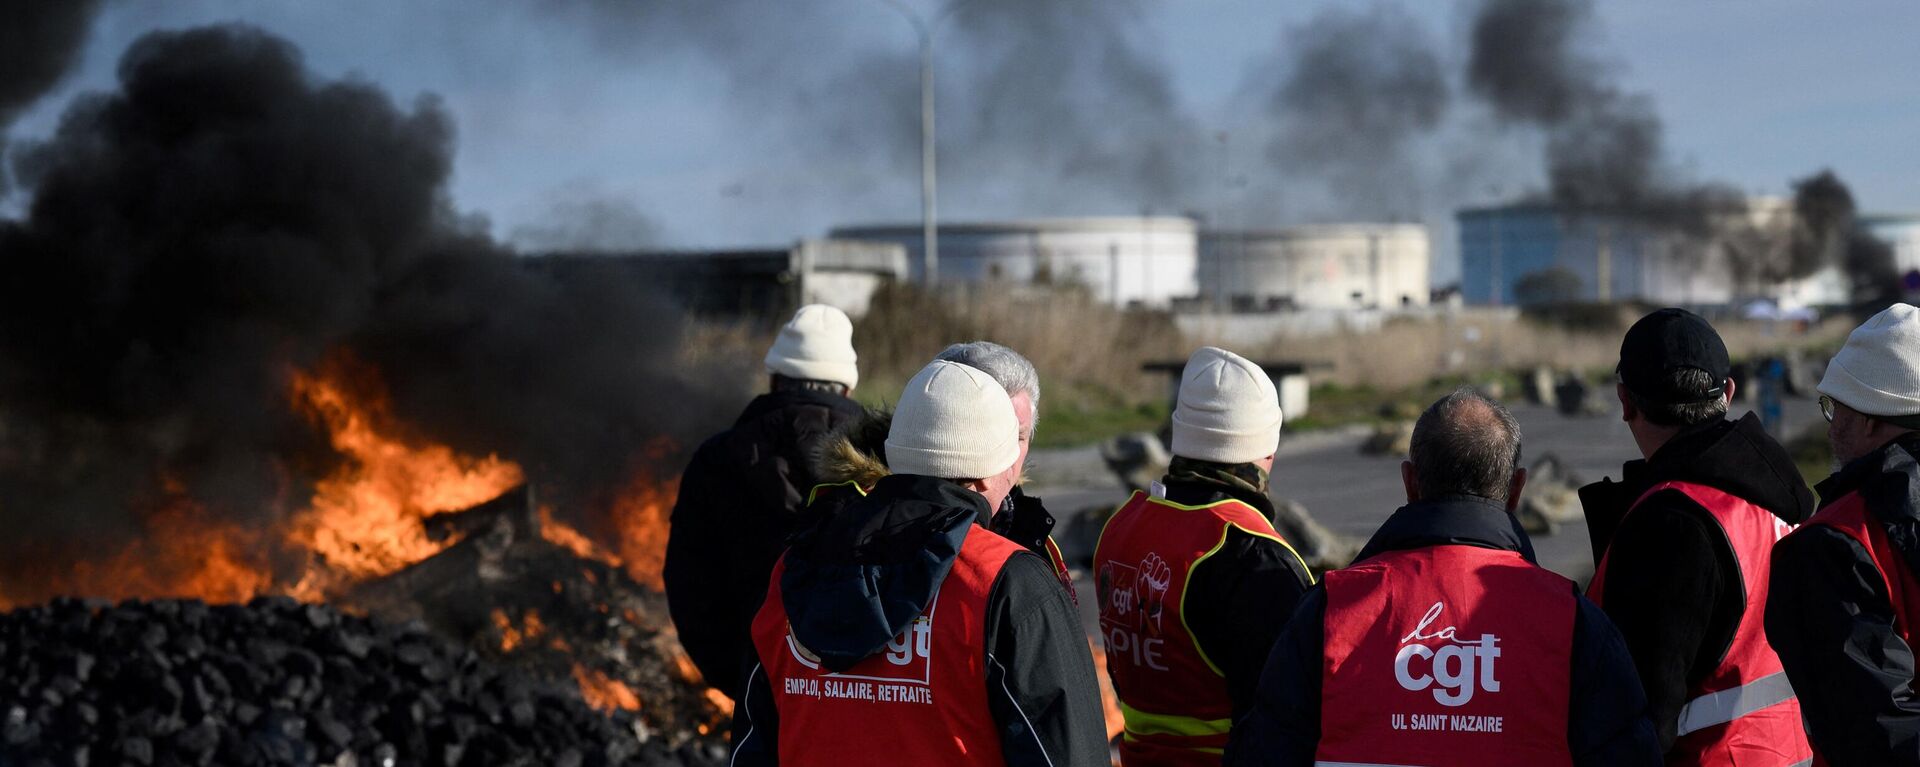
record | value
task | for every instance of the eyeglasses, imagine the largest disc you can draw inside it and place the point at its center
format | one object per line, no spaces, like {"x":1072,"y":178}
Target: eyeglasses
{"x":1826,"y":407}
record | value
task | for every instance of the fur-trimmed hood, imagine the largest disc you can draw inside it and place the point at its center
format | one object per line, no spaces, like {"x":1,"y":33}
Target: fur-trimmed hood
{"x":856,"y":451}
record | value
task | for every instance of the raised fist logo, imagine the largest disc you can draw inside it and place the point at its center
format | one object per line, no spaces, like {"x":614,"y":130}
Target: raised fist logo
{"x":1154,"y":576}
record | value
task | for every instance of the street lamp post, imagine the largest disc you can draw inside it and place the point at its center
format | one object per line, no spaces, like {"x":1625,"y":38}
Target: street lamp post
{"x":929,"y":169}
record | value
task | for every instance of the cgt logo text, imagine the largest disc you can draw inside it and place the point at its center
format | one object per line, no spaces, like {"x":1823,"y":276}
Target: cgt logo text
{"x":1450,"y":670}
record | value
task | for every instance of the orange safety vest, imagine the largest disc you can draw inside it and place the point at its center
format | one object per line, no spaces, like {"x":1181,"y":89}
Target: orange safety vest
{"x":1446,"y":656}
{"x":920,"y":700}
{"x":1744,"y":711}
{"x":1850,"y":515}
{"x":1173,"y":697}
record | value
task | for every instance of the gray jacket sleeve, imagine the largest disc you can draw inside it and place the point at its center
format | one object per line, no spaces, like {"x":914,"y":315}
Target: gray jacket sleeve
{"x":1041,"y":686}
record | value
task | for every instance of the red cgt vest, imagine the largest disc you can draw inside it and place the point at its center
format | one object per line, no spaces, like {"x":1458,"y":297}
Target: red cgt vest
{"x":1744,"y":711}
{"x":1446,"y":656}
{"x":1173,"y":698}
{"x":921,"y":700}
{"x":1849,"y":515}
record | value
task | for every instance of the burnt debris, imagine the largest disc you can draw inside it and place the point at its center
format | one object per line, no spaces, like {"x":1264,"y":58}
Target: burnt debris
{"x":277,"y":682}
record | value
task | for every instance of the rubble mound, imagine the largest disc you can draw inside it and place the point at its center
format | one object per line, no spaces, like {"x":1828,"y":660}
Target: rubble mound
{"x":279,"y":682}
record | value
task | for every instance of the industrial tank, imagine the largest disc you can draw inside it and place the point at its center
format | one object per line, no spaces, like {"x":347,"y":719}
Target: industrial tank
{"x":1123,"y":260}
{"x":1316,"y":266}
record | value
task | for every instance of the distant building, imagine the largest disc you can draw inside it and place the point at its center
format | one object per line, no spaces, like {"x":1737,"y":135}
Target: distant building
{"x":1317,"y":266}
{"x":1528,"y":253}
{"x":763,"y":282}
{"x":1902,"y":231}
{"x":1122,"y":260}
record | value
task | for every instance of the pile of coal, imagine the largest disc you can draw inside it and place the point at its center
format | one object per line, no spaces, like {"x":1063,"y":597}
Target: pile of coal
{"x":278,"y":682}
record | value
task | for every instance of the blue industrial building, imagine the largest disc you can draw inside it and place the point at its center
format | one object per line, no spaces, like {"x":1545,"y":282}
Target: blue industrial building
{"x":1580,"y":257}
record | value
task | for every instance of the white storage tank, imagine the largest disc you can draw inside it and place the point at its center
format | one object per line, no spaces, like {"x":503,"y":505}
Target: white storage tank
{"x":1316,"y":266}
{"x":1123,"y":260}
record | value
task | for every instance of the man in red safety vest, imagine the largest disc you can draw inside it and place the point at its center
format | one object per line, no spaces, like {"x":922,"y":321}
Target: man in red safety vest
{"x":899,"y":630}
{"x":1444,"y":644}
{"x":1845,"y":602}
{"x":853,"y":458}
{"x":1684,"y":544}
{"x":1193,"y":581}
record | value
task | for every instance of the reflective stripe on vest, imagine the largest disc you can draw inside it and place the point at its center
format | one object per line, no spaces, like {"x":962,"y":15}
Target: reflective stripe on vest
{"x":1173,"y":697}
{"x":1730,"y":704}
{"x":920,"y":699}
{"x":1446,"y":656}
{"x":1743,"y":710}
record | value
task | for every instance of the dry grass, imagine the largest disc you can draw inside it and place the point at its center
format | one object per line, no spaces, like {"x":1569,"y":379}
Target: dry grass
{"x":1090,"y":354}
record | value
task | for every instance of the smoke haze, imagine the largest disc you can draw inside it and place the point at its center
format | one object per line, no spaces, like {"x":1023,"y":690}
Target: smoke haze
{"x":223,"y":219}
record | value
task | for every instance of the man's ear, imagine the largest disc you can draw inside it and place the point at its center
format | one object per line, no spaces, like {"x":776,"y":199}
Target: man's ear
{"x":1407,"y":479}
{"x":1729,"y":394}
{"x":1513,"y":490}
{"x":1627,"y":411}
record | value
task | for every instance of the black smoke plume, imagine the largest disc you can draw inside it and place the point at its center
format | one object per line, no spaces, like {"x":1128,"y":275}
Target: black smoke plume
{"x":223,"y":219}
{"x":1828,"y":231}
{"x":1057,"y":105}
{"x":1352,"y":92}
{"x":38,"y":42}
{"x":1531,"y":62}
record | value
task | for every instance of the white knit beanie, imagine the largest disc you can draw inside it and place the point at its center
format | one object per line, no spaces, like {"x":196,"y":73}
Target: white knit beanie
{"x":1877,"y":372}
{"x":953,"y":422}
{"x":816,"y":345}
{"x":1229,"y":411}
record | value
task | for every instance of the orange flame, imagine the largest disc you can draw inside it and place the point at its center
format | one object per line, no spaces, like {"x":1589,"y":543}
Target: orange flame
{"x":365,"y":519}
{"x":513,"y":637}
{"x":603,"y":692}
{"x":565,"y":536}
{"x":185,"y":553}
{"x":641,"y":515}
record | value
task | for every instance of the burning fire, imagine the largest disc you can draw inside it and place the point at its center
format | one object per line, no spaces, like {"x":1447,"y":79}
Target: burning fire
{"x":184,"y":554}
{"x":563,"y":535}
{"x":365,"y":519}
{"x":603,"y":692}
{"x":513,"y":637}
{"x":641,"y":514}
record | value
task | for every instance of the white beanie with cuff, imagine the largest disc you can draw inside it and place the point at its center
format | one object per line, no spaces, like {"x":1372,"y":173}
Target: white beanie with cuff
{"x":1877,"y":372}
{"x":953,"y":422}
{"x":1228,"y":409}
{"x":816,"y":345}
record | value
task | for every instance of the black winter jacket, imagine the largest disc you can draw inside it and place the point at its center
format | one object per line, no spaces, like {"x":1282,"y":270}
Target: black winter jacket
{"x":1607,"y":721}
{"x":1250,"y":587}
{"x":864,"y":573}
{"x":738,"y":499}
{"x":1673,"y":586}
{"x":1830,"y":618}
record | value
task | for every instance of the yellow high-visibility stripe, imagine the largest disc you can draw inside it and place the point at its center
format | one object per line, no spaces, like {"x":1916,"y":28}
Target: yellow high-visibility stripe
{"x":815,"y":492}
{"x":1143,"y":723}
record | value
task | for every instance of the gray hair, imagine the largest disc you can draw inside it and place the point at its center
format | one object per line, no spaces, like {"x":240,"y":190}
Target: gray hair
{"x":1009,"y":368}
{"x":1465,"y":444}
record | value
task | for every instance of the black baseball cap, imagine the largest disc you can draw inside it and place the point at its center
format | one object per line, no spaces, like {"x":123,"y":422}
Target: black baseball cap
{"x":1668,"y":340}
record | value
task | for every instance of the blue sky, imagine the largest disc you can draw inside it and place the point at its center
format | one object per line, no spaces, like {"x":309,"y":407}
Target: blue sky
{"x":557,"y":110}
